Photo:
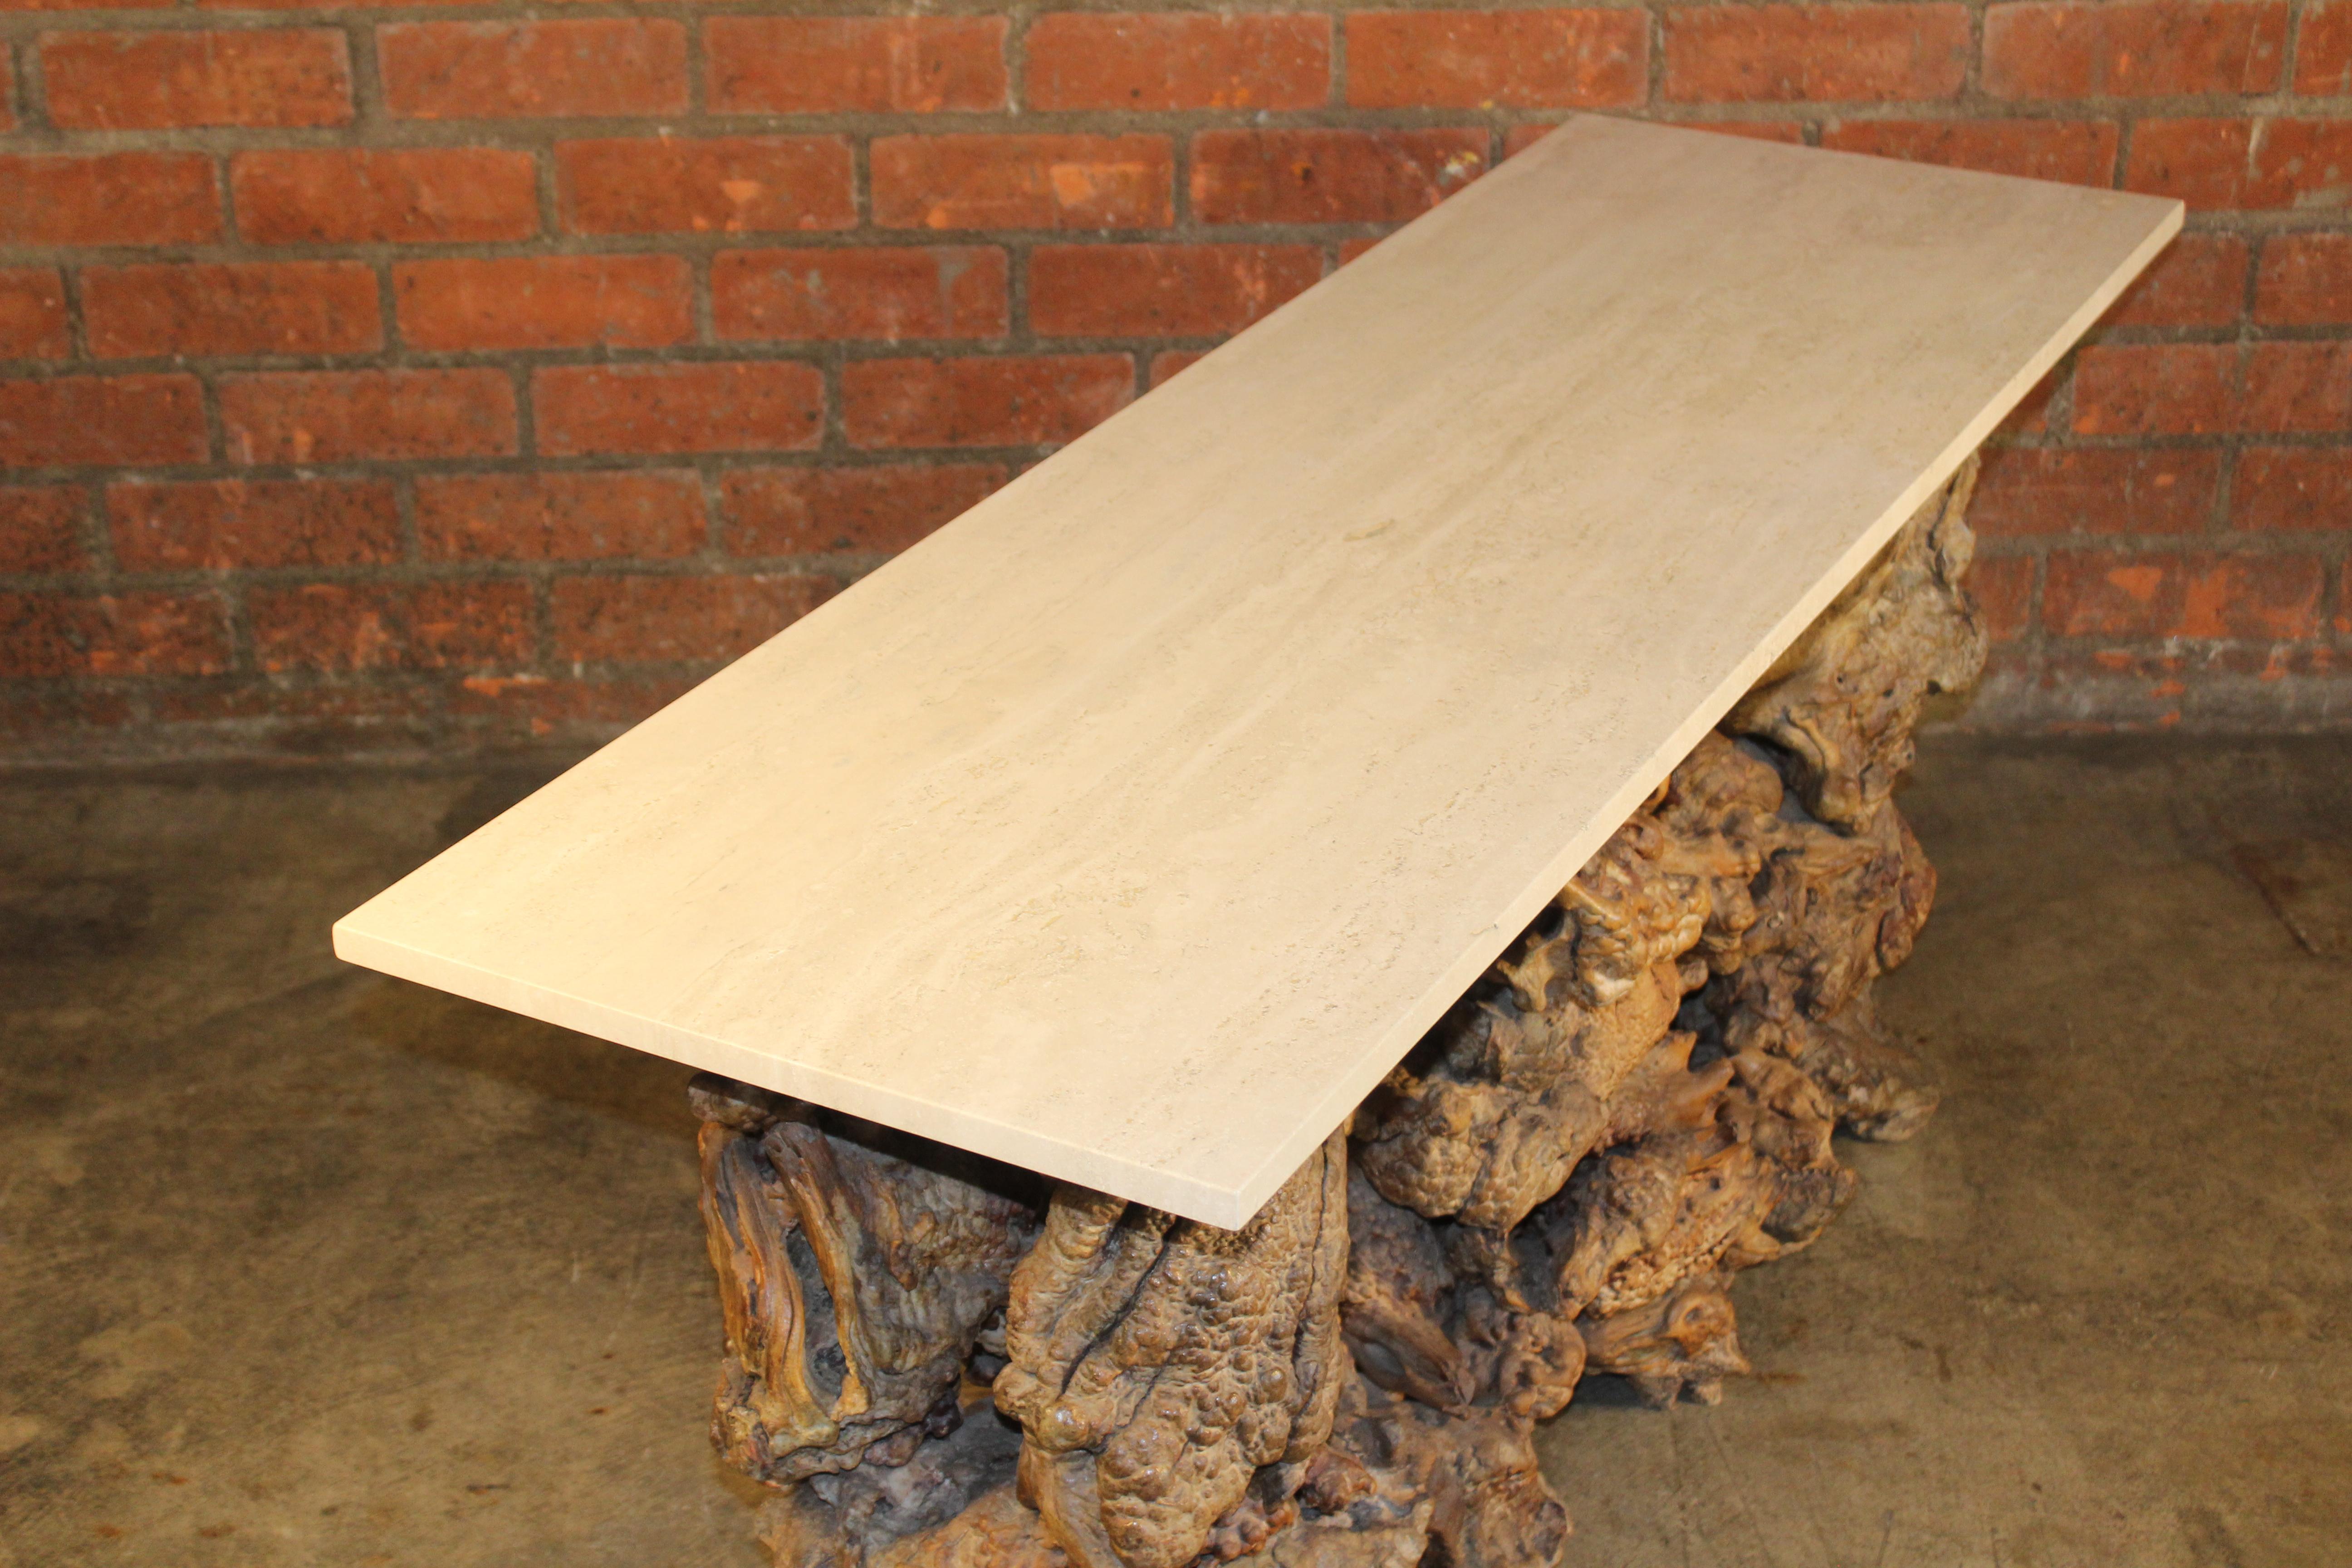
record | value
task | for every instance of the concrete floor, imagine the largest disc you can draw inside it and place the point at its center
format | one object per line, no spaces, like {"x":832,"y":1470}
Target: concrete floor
{"x":302,"y":1266}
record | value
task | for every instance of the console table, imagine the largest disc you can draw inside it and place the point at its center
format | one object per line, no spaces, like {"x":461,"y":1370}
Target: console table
{"x":1234,"y":973}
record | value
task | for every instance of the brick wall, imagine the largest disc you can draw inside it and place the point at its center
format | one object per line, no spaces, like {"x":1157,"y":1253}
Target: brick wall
{"x":449,"y":374}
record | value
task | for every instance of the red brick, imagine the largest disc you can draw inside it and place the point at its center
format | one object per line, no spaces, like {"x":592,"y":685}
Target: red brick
{"x":157,"y":81}
{"x":2133,"y":48}
{"x":871,"y":65}
{"x":903,"y":291}
{"x":299,"y":718}
{"x":333,"y":417}
{"x":1329,"y":176}
{"x":108,"y":198}
{"x":2030,"y":490}
{"x":1022,"y":182}
{"x":244,"y":308}
{"x":2111,"y":595}
{"x":764,"y":406}
{"x":815,"y":512}
{"x":1162,"y":290}
{"x":509,"y":70}
{"x":214,"y":525}
{"x":40,"y":528}
{"x":990,"y":402}
{"x":2305,"y":280}
{"x":1564,"y":58}
{"x":391,"y":625}
{"x":2199,"y":282}
{"x":2298,"y":386}
{"x":47,"y":712}
{"x":2213,"y":163}
{"x":351,"y":195}
{"x":540,"y":707}
{"x":558,"y":516}
{"x":2155,"y":389}
{"x":2291,"y":488}
{"x":545,"y":302}
{"x":2078,"y":152}
{"x":51,"y":634}
{"x":2323,"y":52}
{"x":724,"y":184}
{"x":1520,"y":138}
{"x":2261,"y":598}
{"x":87,"y":421}
{"x":1814,"y":53}
{"x":600,"y":620}
{"x":33,"y":314}
{"x":1190,"y":61}
{"x":1168,"y":362}
{"x":2032,"y":414}
{"x":2002,"y":588}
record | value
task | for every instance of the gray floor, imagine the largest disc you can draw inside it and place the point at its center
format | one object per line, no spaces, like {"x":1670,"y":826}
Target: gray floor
{"x":302,"y":1266}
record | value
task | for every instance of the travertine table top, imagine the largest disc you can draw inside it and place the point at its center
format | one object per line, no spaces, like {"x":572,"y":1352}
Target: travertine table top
{"x":1131,"y":827}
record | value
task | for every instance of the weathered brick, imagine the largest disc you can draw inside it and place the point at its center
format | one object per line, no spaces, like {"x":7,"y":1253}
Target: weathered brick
{"x":1560,"y":58}
{"x":306,"y":719}
{"x":2215,"y":163}
{"x":2079,"y":152}
{"x":2032,"y":414}
{"x":2291,"y":488}
{"x":391,"y":625}
{"x":1329,"y":176}
{"x":2323,"y":52}
{"x":1814,"y":53}
{"x":2104,"y":593}
{"x":508,"y":71}
{"x":885,"y":294}
{"x":988,"y":181}
{"x":2262,"y":598}
{"x":2199,"y":282}
{"x":52,"y":634}
{"x":872,"y":65}
{"x":540,"y":707}
{"x":1168,"y":362}
{"x":545,"y":302}
{"x":33,"y":314}
{"x":2133,"y":48}
{"x":718,"y":185}
{"x":761,"y":406}
{"x":108,"y":198}
{"x":155,"y":81}
{"x":1185,"y":60}
{"x":1520,"y":138}
{"x":814,"y":512}
{"x":355,"y":196}
{"x":213,"y":525}
{"x":2028,"y":490}
{"x":1162,"y":290}
{"x":332,"y":416}
{"x":2155,"y":389}
{"x":40,"y":528}
{"x":981,"y":402}
{"x":2003,"y":587}
{"x":558,"y":516}
{"x":632,"y":620}
{"x":231,"y":308}
{"x":89,"y":421}
{"x":2305,"y":280}
{"x":2298,"y":387}
{"x":55,"y":713}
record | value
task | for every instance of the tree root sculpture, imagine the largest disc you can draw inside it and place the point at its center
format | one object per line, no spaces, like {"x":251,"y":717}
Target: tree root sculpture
{"x":942,"y":1365}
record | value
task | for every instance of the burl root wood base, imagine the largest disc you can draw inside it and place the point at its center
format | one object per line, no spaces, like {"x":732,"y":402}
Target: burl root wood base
{"x":942,"y":1364}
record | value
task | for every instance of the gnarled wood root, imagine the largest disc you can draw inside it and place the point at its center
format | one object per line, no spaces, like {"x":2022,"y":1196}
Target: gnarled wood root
{"x":1634,"y":1105}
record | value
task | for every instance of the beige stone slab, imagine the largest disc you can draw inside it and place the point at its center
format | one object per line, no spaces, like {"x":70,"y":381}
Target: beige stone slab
{"x":1133,"y":826}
